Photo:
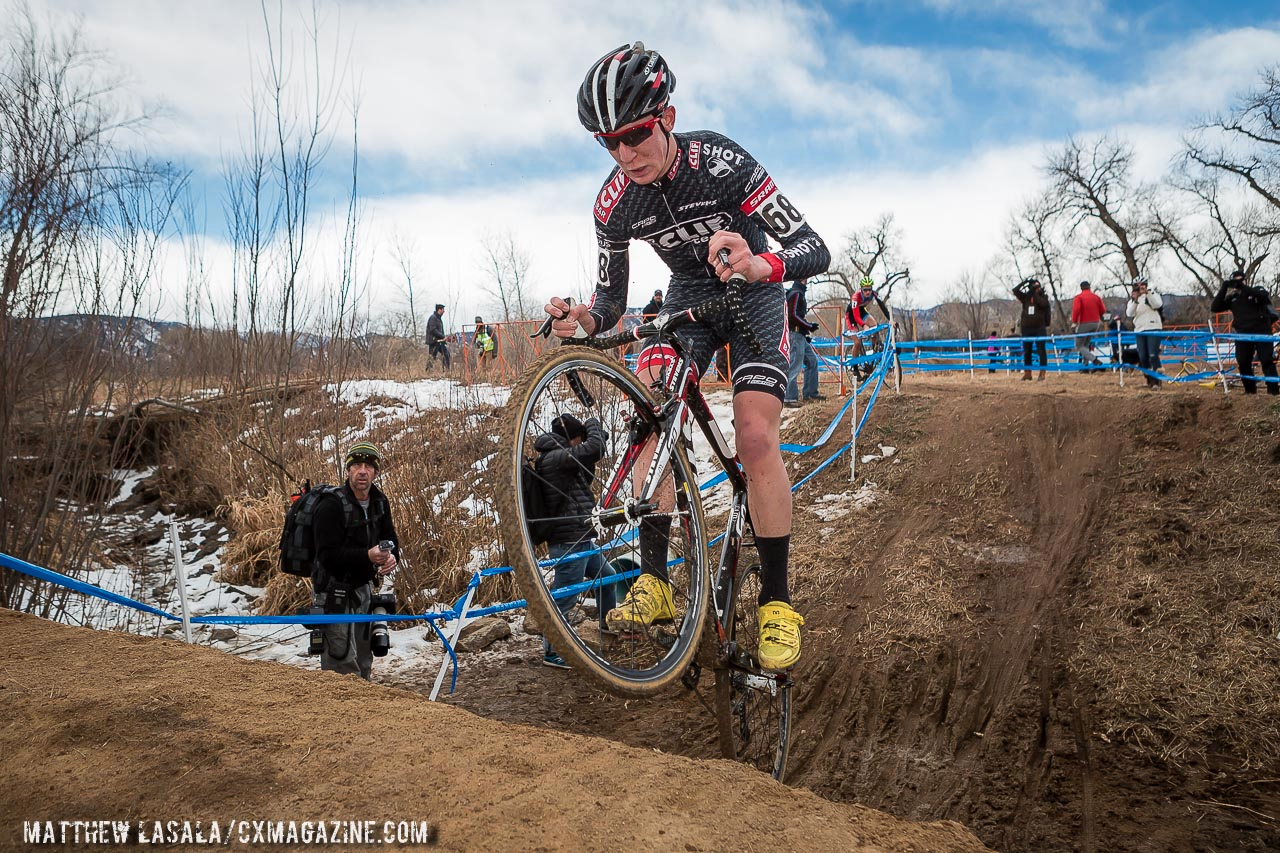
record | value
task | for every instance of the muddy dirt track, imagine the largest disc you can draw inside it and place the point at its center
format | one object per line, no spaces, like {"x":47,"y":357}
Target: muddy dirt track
{"x":1056,"y":626}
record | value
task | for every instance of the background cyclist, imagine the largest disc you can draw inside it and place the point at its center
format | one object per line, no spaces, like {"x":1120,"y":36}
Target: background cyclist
{"x":857,"y":318}
{"x":689,"y":196}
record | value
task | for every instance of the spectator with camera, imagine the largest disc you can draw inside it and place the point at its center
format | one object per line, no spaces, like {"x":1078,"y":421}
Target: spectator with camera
{"x":1144,"y":309}
{"x":356,"y":546}
{"x":1034,"y":323}
{"x":1251,"y":314}
{"x":566,"y":466}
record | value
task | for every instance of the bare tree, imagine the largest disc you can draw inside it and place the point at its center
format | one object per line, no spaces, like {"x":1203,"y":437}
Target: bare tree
{"x":1246,"y":144}
{"x":875,"y":251}
{"x":1094,"y":190}
{"x":404,"y":253}
{"x":1207,"y":234}
{"x":81,"y":219}
{"x":506,"y":266}
{"x":1036,"y":240}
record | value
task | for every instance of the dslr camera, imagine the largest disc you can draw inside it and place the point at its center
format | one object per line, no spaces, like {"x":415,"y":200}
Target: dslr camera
{"x":381,"y":604}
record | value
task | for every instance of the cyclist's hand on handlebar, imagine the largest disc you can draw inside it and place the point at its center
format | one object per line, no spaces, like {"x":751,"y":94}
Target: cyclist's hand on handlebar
{"x":569,"y":319}
{"x":741,"y":260}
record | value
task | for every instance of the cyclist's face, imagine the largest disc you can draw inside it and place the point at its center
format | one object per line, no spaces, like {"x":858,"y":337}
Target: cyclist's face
{"x":651,"y":159}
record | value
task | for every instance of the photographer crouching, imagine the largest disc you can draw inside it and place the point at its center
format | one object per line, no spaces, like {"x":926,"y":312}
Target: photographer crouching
{"x":1251,"y":314}
{"x":356,"y":546}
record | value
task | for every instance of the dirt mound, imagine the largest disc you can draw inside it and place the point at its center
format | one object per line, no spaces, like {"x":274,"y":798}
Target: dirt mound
{"x":1056,"y":623}
{"x":105,"y":726}
{"x":1060,"y":626}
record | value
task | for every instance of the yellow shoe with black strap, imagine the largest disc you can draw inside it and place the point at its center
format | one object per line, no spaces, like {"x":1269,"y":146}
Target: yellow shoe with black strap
{"x":779,"y":636}
{"x":648,"y":601}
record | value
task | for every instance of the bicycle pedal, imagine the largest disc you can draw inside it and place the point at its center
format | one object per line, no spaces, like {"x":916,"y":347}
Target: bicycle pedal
{"x":691,"y":676}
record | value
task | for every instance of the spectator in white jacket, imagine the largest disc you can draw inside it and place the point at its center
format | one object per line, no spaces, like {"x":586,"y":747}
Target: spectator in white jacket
{"x":1144,"y":309}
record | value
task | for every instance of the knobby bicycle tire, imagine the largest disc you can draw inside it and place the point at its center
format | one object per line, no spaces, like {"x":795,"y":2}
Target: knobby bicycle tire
{"x":586,"y":383}
{"x":753,"y":707}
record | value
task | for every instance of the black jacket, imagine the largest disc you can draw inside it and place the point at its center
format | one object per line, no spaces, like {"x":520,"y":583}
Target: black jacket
{"x":344,"y":537}
{"x":435,"y":328}
{"x":797,"y":308}
{"x":654,"y":307}
{"x":1037,"y":319}
{"x":567,"y":473}
{"x":1250,"y":308}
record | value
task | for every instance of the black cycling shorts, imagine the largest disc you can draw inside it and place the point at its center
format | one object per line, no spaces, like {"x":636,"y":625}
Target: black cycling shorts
{"x":765,"y":307}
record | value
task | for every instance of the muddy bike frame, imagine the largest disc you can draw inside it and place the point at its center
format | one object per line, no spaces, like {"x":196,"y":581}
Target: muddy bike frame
{"x":679,"y":399}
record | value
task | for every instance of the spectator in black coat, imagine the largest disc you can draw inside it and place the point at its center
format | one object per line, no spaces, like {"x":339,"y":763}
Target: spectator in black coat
{"x":566,"y":467}
{"x":654,"y":306}
{"x":1251,"y":314}
{"x":1034,"y":322}
{"x":348,"y":530}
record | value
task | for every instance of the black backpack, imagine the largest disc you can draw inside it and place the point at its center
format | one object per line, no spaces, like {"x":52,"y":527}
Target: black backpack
{"x":533,"y":495}
{"x":298,"y":539}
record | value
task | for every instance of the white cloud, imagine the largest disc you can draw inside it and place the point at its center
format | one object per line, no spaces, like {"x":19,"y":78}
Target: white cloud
{"x":1201,"y":74}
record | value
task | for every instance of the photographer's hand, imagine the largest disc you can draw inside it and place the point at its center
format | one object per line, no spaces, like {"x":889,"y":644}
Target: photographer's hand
{"x":389,"y":566}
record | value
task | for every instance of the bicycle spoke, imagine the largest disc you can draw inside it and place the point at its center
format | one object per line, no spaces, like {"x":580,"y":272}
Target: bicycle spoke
{"x":564,"y":590}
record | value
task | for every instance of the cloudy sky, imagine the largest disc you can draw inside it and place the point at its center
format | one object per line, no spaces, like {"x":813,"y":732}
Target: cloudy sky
{"x":938,"y":111}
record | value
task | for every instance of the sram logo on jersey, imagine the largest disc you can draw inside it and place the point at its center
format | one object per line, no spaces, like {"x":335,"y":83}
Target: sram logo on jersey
{"x":609,"y":197}
{"x":759,"y":197}
{"x":693,"y":231}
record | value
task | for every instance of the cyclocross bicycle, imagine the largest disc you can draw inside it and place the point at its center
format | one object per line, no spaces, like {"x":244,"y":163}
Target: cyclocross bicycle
{"x":752,"y":706}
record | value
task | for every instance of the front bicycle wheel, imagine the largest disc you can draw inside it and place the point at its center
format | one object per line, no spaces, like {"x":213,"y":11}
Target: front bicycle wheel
{"x":592,"y":558}
{"x":753,"y":707}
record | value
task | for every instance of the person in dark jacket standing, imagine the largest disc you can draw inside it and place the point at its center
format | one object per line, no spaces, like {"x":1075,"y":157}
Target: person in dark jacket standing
{"x":349,"y":528}
{"x":802,"y":354}
{"x":566,"y":467}
{"x":1034,"y":322}
{"x":436,"y":345}
{"x":654,"y":307}
{"x":1251,"y":314}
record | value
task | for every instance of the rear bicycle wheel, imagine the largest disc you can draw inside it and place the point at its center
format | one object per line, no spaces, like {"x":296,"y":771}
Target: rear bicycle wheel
{"x":753,"y":707}
{"x":589,"y":384}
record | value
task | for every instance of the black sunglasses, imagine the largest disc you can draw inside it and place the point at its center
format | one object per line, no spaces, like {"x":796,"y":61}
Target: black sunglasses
{"x":631,"y":137}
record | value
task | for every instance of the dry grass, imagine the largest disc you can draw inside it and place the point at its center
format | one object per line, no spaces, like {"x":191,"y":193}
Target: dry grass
{"x":430,"y":474}
{"x":1184,"y":608}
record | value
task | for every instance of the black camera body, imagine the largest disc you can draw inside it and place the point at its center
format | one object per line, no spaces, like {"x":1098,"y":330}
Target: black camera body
{"x":315,"y":642}
{"x":381,"y":604}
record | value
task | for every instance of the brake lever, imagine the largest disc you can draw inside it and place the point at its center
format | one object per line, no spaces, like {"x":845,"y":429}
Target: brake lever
{"x":544,"y":331}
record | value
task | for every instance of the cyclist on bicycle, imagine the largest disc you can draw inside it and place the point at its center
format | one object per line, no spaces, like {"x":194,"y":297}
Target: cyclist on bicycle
{"x":689,"y":196}
{"x":855,"y":313}
{"x":856,"y":318}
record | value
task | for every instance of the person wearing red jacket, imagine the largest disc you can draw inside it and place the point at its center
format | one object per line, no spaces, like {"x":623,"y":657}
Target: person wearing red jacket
{"x":1086,"y":314}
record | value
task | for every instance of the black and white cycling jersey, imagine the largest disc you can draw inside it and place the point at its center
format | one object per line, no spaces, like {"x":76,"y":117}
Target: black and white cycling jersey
{"x":713,"y":185}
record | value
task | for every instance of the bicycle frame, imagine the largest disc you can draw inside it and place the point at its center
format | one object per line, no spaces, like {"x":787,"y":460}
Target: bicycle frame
{"x":682,"y":398}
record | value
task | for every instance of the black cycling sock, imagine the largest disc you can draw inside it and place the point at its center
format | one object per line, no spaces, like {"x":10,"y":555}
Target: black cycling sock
{"x":773,"y":568}
{"x":655,"y":542}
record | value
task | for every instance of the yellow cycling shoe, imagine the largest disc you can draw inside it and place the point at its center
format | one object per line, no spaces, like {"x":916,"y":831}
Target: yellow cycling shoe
{"x":648,"y":601}
{"x":779,"y":636}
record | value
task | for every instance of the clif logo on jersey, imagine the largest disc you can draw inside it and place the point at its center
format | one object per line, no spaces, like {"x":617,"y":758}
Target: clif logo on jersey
{"x":695,"y":153}
{"x":692,"y":231}
{"x":610,"y":195}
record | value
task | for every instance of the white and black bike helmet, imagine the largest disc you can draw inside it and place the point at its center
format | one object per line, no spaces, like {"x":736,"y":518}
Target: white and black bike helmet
{"x":625,"y":85}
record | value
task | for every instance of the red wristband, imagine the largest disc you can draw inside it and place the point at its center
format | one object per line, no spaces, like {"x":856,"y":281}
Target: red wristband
{"x":774,"y":264}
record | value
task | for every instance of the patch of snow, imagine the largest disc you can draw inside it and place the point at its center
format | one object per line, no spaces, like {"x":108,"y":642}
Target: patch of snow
{"x":831,"y":507}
